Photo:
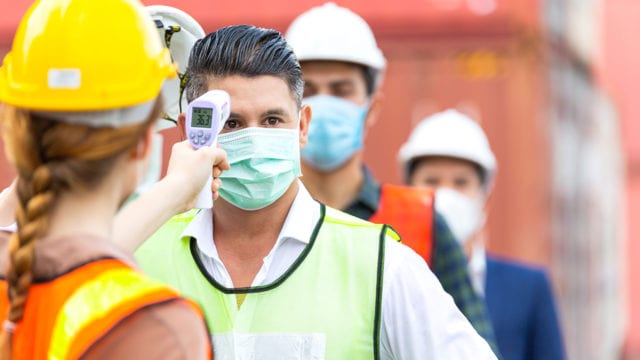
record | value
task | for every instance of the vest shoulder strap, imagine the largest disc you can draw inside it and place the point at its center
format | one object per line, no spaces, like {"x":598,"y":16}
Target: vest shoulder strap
{"x":340,"y":217}
{"x":88,"y":314}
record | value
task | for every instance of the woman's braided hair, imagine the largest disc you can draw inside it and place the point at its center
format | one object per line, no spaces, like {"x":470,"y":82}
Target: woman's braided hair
{"x":51,"y":157}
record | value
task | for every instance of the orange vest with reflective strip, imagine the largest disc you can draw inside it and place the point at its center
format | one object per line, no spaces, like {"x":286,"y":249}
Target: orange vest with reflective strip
{"x":64,"y":316}
{"x":410,"y":212}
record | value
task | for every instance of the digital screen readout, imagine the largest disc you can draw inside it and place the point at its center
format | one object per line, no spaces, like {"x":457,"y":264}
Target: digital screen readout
{"x":201,"y":117}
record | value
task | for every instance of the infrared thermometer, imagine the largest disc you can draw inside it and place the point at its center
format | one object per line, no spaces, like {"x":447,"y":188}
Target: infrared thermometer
{"x":206,"y":116}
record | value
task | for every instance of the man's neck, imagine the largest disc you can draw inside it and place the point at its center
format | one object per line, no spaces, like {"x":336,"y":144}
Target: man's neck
{"x":243,"y":238}
{"x":337,"y":188}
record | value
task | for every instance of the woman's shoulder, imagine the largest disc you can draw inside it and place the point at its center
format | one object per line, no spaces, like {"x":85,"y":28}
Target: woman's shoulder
{"x":168,"y":330}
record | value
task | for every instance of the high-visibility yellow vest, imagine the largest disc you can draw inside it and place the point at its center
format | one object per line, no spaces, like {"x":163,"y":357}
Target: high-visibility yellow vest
{"x":326,"y":305}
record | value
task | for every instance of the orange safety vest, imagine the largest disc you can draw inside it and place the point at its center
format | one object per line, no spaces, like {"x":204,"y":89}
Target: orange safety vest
{"x":410,"y":212}
{"x":65,"y":315}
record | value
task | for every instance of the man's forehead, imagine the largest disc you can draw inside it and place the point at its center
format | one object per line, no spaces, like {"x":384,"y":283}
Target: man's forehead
{"x":442,"y":161}
{"x":330,"y":69}
{"x":247,"y":84}
{"x":262,"y":89}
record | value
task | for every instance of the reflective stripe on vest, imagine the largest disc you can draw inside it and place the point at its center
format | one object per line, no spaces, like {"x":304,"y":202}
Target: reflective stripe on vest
{"x":410,"y":212}
{"x":98,"y":305}
{"x":327,"y":304}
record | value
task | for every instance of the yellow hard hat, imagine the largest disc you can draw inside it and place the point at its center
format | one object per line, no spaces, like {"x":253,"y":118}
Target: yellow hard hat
{"x":84,"y":55}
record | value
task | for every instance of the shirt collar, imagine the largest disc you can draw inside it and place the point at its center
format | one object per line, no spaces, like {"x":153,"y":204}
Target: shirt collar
{"x":302,"y":218}
{"x":298,"y":225}
{"x":201,"y":229}
{"x":478,"y":268}
{"x":9,"y":228}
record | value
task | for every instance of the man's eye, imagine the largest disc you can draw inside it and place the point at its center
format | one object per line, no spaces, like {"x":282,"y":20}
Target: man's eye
{"x":272,"y":121}
{"x":343,"y":92}
{"x":231,"y":124}
{"x":461,"y":183}
{"x":431,"y":182}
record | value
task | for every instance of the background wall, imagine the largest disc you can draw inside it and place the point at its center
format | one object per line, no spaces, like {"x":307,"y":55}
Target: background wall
{"x":553,"y":83}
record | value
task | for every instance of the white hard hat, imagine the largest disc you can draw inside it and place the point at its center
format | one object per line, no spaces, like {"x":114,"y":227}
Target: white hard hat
{"x":450,"y":133}
{"x":179,"y":32}
{"x":331,"y":32}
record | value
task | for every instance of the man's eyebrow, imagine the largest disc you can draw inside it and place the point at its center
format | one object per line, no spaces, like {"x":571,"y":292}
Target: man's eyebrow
{"x":276,"y":111}
{"x":235,"y":115}
{"x":342,"y":82}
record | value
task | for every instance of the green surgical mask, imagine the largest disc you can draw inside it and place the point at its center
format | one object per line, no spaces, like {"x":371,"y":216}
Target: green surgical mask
{"x":264,"y":162}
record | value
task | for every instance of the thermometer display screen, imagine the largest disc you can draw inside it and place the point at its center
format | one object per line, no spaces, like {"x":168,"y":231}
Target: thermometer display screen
{"x":201,"y":117}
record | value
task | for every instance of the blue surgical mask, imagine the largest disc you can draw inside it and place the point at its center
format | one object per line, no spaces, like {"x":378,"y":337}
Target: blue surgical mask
{"x":264,"y":162}
{"x":335,"y":132}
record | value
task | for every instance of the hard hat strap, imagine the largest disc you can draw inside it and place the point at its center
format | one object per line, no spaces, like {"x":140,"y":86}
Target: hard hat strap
{"x":169,"y":30}
{"x":168,"y":33}
{"x":183,"y":83}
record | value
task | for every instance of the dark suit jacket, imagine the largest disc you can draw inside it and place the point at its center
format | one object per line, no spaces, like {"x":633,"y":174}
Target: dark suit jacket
{"x":522,"y":311}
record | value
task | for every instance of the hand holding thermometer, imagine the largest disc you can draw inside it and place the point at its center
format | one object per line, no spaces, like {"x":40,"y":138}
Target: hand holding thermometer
{"x":206,"y":116}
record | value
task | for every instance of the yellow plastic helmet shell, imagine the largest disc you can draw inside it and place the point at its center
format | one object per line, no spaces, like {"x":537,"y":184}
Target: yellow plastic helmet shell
{"x":84,"y":55}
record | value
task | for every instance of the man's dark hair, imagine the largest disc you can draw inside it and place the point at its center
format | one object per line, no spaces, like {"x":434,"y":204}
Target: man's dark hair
{"x":242,"y":50}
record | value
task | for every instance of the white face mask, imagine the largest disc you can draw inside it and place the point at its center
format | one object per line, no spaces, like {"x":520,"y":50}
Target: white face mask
{"x":464,"y":215}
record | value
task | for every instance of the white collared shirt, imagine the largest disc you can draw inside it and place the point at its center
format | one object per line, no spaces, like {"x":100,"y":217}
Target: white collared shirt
{"x":13,"y":227}
{"x":478,"y":268}
{"x":9,"y":228}
{"x":419,"y":319}
{"x":293,"y":238}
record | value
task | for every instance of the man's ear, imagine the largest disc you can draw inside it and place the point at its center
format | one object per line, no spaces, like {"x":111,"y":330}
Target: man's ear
{"x":375,"y":106}
{"x":182,"y":120}
{"x":487,"y":193}
{"x":305,"y":121}
{"x":144,"y":145}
